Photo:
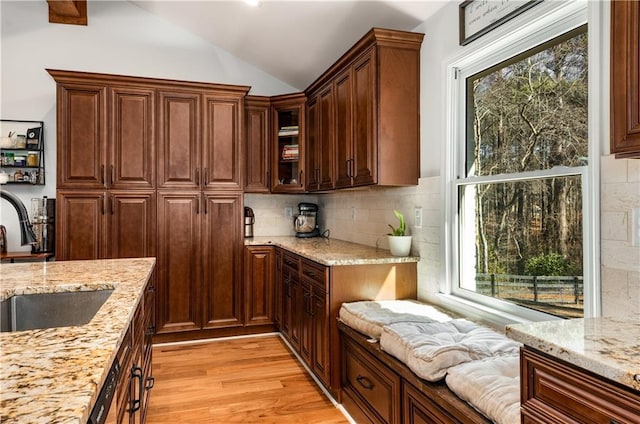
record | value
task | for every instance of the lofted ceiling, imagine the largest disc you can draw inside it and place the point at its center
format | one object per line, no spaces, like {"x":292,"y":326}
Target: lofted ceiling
{"x":295,"y":41}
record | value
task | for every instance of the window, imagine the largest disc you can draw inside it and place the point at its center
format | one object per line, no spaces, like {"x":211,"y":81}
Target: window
{"x":518,"y":177}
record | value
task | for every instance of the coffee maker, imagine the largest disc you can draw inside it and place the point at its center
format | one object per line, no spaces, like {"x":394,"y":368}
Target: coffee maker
{"x":43,"y":222}
{"x":305,"y":223}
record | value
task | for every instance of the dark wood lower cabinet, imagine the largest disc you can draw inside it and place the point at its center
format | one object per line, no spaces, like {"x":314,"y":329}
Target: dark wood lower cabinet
{"x":309,"y":303}
{"x":554,"y":391}
{"x":135,"y":356}
{"x":259,"y":269}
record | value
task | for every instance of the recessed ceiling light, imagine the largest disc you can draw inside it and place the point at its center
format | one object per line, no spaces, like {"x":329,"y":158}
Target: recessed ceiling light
{"x":253,"y":3}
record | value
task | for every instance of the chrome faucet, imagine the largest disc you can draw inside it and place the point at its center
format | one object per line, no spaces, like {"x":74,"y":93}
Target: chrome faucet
{"x":27,"y":236}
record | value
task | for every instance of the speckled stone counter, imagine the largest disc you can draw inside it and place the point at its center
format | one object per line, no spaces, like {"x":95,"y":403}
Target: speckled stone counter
{"x":54,"y":375}
{"x":332,"y":252}
{"x":608,"y":346}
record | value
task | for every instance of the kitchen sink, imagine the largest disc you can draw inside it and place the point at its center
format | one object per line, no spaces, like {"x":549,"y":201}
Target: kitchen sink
{"x":48,"y":310}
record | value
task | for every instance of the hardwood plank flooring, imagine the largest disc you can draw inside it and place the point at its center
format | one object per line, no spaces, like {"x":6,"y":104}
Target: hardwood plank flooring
{"x":246,"y":380}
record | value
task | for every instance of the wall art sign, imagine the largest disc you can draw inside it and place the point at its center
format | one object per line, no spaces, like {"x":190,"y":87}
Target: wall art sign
{"x":478,"y":17}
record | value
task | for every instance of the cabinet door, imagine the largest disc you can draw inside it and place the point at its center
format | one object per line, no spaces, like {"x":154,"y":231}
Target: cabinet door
{"x":326,"y":122}
{"x":320,"y":314}
{"x":286,"y":301}
{"x":222,"y":252}
{"x":363,"y":168}
{"x":625,"y":78}
{"x":179,"y":140}
{"x":279,"y":289}
{"x":81,"y":228}
{"x":132,"y":223}
{"x":306,"y":322}
{"x":179,"y":280}
{"x":288,"y":135}
{"x":294,"y":308}
{"x":132,"y":139}
{"x":312,"y":147}
{"x":82,"y":133}
{"x":259,"y":273}
{"x":344,"y":129}
{"x":221,"y":147}
{"x":257,"y":146}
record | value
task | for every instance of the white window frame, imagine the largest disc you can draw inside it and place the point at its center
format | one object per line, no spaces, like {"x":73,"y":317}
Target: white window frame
{"x":538,"y":25}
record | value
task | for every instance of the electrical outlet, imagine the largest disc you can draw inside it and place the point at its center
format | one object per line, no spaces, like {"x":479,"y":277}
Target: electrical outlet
{"x":417,"y":222}
{"x":288,"y":212}
{"x":635,"y":227}
{"x":353,"y":213}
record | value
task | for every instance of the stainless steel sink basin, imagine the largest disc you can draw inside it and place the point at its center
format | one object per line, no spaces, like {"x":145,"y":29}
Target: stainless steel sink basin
{"x":48,"y":310}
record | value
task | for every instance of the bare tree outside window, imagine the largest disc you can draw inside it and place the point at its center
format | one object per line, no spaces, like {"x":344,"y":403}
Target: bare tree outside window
{"x":521,"y":236}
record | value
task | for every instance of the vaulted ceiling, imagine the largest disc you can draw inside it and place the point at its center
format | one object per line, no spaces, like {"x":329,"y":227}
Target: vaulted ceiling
{"x":295,"y":41}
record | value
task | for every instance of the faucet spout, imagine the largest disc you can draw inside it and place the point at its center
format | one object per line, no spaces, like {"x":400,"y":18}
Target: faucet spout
{"x":27,"y":236}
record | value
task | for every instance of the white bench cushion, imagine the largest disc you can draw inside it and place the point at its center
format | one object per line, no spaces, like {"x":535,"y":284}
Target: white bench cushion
{"x":490,"y":385}
{"x":432,"y":348}
{"x":370,"y":316}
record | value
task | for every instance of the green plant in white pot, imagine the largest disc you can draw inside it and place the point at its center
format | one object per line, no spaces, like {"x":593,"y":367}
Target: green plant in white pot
{"x":399,"y":242}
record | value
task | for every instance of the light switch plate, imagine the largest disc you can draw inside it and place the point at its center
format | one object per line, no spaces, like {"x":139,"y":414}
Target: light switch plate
{"x":288,"y":212}
{"x":418,"y":218}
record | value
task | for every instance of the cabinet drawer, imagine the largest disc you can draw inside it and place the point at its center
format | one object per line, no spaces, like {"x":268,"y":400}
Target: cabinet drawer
{"x":373,"y":387}
{"x":314,"y":272}
{"x":556,"y":392}
{"x":418,"y":408}
{"x":290,"y":260}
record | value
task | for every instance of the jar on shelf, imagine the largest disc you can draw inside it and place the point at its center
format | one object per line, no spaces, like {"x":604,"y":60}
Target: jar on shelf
{"x":18,"y":176}
{"x":32,"y":159}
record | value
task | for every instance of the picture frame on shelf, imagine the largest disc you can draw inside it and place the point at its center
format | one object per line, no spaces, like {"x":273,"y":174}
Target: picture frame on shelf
{"x":33,"y":138}
{"x":478,"y":17}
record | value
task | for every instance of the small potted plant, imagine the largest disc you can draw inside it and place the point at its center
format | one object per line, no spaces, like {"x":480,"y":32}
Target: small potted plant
{"x":399,"y":242}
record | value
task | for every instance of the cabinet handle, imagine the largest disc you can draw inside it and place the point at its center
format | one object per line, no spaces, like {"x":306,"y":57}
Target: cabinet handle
{"x":102,"y":204}
{"x":198,"y":205}
{"x":348,"y":164}
{"x":197,"y":176}
{"x":136,"y":372}
{"x":206,"y":176}
{"x":151,"y":381}
{"x":206,"y":207}
{"x":111,"y":175}
{"x":309,"y":273}
{"x":111,"y":204}
{"x":102,"y":176}
{"x":365,"y":382}
{"x":301,"y":184}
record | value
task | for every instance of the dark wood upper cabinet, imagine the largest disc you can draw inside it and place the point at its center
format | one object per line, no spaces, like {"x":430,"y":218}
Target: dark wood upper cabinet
{"x":625,"y":78}
{"x":179,"y":155}
{"x":320,"y":140}
{"x":257,"y":144}
{"x":288,"y":143}
{"x":132,"y":139}
{"x":82,"y":133}
{"x":375,"y":129}
{"x":222,"y":147}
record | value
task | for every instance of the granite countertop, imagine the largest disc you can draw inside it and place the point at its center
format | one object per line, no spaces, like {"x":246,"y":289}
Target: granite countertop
{"x":607,"y":346}
{"x":332,"y":252}
{"x":53,"y":375}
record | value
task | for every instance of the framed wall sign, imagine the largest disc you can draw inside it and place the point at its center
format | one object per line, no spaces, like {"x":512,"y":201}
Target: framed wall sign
{"x":478,"y":17}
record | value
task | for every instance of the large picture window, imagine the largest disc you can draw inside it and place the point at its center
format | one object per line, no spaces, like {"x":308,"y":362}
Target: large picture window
{"x":521,"y":179}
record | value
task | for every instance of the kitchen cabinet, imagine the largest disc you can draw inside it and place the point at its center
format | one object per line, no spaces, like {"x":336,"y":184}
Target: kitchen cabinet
{"x":320,"y":140}
{"x":259,"y":268}
{"x":376,"y":87}
{"x":555,"y":391}
{"x":96,"y":224}
{"x":135,"y":356}
{"x":288,"y":143}
{"x":199,"y":139}
{"x":200,"y":256}
{"x":106,"y":132}
{"x":310,"y":298}
{"x":625,"y":78}
{"x":257,"y":144}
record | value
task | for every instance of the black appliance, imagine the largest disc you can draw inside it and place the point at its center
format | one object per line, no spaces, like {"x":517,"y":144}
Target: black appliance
{"x":43,"y":222}
{"x":305,"y":223}
{"x":104,"y":411}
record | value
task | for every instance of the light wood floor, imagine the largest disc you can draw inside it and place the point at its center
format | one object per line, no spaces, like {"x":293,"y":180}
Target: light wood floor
{"x":248,"y":380}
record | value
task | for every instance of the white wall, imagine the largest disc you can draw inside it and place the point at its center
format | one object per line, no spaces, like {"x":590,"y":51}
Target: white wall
{"x":119,"y":39}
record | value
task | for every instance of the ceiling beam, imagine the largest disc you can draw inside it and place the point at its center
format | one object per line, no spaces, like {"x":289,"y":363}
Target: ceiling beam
{"x":72,"y":12}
